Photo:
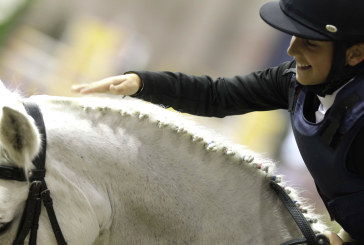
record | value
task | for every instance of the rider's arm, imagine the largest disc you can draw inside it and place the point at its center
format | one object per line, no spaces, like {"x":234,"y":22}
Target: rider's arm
{"x":201,"y":95}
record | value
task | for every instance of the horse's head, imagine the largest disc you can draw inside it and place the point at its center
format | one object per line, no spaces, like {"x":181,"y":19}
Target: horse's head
{"x":19,"y":144}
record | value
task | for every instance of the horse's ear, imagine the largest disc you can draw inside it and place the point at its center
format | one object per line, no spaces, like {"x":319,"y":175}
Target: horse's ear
{"x":19,"y":136}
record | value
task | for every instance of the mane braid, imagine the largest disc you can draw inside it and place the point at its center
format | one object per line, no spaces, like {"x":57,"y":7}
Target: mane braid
{"x":218,"y":145}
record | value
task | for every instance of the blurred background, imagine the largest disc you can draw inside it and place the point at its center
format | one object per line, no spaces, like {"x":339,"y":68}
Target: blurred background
{"x":48,"y":45}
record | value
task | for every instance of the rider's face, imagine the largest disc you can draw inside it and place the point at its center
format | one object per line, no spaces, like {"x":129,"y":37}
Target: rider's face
{"x":313,"y":59}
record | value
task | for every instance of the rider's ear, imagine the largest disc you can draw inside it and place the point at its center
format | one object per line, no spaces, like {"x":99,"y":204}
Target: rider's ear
{"x":19,"y":136}
{"x":355,"y":54}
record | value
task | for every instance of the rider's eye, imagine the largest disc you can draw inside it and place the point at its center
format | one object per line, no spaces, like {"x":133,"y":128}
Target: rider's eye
{"x":311,"y":43}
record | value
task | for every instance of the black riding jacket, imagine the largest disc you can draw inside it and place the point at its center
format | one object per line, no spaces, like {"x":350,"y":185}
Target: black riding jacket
{"x":203,"y":96}
{"x":257,"y":91}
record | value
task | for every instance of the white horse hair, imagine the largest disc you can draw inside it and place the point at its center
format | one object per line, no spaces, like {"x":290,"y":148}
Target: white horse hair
{"x":123,"y":171}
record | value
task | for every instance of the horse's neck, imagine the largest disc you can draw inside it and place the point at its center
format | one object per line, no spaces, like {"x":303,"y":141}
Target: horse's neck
{"x":149,"y":160}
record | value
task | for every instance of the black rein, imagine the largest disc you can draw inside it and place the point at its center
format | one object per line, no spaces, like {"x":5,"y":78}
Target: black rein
{"x":309,"y":236}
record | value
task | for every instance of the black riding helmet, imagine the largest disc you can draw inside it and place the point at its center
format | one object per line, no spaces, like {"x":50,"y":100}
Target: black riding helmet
{"x":340,"y":21}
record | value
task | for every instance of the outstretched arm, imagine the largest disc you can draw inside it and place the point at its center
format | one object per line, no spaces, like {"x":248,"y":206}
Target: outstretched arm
{"x":202,"y":95}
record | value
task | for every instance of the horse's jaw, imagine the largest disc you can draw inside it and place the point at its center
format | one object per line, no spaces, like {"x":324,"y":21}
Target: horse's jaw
{"x":13,"y":195}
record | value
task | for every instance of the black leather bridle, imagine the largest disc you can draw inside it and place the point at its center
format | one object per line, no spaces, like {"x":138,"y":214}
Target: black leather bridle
{"x":38,"y":190}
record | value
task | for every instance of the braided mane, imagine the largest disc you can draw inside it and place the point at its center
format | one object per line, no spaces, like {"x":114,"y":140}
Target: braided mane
{"x":198,"y":135}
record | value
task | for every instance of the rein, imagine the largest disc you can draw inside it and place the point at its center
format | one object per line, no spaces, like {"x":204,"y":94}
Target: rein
{"x":38,"y":190}
{"x":309,"y":236}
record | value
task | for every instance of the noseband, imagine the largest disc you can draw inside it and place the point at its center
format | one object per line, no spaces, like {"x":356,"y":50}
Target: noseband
{"x":38,"y":190}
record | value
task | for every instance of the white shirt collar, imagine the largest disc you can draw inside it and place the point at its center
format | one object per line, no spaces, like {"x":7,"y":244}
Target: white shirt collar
{"x":326,"y":102}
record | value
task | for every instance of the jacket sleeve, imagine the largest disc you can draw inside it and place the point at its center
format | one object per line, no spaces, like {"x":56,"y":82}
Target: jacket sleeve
{"x":203,"y":96}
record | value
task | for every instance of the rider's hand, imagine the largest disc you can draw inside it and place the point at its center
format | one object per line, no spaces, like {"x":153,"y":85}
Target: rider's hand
{"x":127,"y":84}
{"x":334,"y":239}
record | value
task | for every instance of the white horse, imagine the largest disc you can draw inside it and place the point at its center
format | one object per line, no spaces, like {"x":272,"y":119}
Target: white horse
{"x":123,"y":171}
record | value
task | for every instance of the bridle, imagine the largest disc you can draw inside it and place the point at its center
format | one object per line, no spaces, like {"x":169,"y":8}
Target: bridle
{"x":38,"y":190}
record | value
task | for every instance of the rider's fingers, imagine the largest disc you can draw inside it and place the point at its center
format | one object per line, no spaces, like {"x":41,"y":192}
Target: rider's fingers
{"x":334,"y":238}
{"x":101,"y":86}
{"x":77,"y":88}
{"x":95,"y":87}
